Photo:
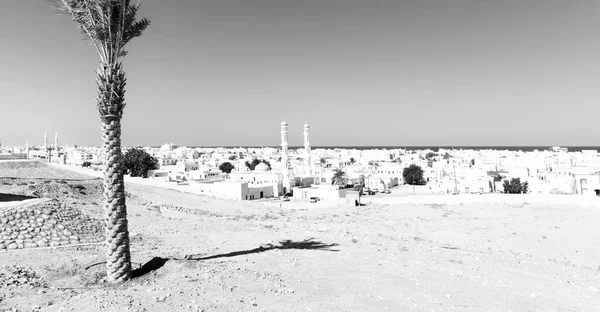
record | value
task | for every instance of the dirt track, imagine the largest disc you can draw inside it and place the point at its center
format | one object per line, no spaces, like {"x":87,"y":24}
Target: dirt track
{"x":469,"y":257}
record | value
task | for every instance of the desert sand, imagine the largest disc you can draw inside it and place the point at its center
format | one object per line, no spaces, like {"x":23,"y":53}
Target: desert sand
{"x":396,"y":253}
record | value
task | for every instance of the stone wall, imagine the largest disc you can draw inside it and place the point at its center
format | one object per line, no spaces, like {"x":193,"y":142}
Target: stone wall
{"x":46,"y":224}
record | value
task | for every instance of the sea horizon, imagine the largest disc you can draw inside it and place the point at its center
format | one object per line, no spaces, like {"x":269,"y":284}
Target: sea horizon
{"x":529,"y":148}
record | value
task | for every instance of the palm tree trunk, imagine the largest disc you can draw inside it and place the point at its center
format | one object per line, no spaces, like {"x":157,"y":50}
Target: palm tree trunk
{"x":111,"y":90}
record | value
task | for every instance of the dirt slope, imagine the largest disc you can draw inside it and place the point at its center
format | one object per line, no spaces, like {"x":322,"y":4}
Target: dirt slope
{"x":193,"y":253}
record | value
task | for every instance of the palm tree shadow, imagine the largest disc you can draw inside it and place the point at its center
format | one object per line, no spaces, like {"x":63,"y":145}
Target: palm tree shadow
{"x":286,"y":244}
{"x":158,"y":262}
{"x":152,"y":265}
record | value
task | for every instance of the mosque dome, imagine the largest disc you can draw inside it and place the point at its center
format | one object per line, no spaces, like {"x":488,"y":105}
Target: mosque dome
{"x":262,"y":167}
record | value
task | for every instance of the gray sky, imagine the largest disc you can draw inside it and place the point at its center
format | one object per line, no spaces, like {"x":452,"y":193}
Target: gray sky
{"x":224,"y":72}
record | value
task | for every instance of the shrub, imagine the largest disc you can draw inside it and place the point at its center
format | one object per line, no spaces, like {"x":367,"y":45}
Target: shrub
{"x":138,"y":162}
{"x":255,"y":162}
{"x":226,"y":167}
{"x":413,"y":175}
{"x":515,"y":186}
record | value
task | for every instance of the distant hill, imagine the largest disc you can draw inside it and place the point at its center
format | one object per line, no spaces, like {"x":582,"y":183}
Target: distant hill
{"x":33,"y":169}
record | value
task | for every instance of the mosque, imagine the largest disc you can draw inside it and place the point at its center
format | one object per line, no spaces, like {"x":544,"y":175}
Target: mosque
{"x":295,"y":169}
{"x":285,"y":176}
{"x":302,"y":176}
{"x":48,"y":151}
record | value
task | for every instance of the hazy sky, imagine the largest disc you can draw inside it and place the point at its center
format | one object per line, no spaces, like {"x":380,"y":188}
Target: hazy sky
{"x":224,"y":72}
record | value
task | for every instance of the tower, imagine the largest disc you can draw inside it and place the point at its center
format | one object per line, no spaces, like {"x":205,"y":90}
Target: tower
{"x":285,"y":156}
{"x":307,"y":156}
{"x":27,"y":149}
{"x":45,"y":141}
{"x":56,"y":141}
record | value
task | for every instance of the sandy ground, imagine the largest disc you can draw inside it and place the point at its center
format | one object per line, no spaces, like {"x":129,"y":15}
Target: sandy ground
{"x":28,"y":169}
{"x":194,"y":253}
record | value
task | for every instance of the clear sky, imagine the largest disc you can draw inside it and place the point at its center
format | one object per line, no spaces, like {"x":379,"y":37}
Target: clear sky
{"x":369,"y":72}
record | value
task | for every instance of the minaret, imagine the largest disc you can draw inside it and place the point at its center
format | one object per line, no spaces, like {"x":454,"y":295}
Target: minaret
{"x":284,"y":156}
{"x":56,"y":141}
{"x":45,"y":141}
{"x":27,"y":149}
{"x":307,"y":158}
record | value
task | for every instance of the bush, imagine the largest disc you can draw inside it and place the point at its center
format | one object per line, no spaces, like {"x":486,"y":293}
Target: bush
{"x":138,"y":162}
{"x":430,"y":155}
{"x":86,"y":164}
{"x":413,"y":175}
{"x":255,"y":162}
{"x":226,"y":167}
{"x":515,"y":186}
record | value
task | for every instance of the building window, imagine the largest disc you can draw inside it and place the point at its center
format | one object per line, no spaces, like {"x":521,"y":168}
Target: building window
{"x":583,"y":181}
{"x":467,"y":189}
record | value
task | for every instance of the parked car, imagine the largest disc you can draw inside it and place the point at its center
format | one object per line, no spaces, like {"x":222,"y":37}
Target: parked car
{"x":387,"y":192}
{"x":285,"y":198}
{"x":314,"y":199}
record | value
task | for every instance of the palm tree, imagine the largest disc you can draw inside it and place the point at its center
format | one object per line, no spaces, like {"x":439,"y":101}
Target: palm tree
{"x":110,"y":25}
{"x":339,"y":177}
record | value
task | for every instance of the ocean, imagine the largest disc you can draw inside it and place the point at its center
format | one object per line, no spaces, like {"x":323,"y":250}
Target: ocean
{"x":435,"y":148}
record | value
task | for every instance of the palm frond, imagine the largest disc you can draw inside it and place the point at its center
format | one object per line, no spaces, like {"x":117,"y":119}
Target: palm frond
{"x":108,"y":24}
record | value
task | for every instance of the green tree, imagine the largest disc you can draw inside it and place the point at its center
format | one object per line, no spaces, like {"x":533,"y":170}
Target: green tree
{"x":515,"y":186}
{"x":447,"y":156}
{"x":110,"y":25}
{"x":233,"y":157}
{"x":255,"y":163}
{"x":413,"y":175}
{"x":226,"y":167}
{"x":197,"y":154}
{"x":352,"y":161}
{"x":339,"y":177}
{"x":322,"y":160}
{"x":138,"y":162}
